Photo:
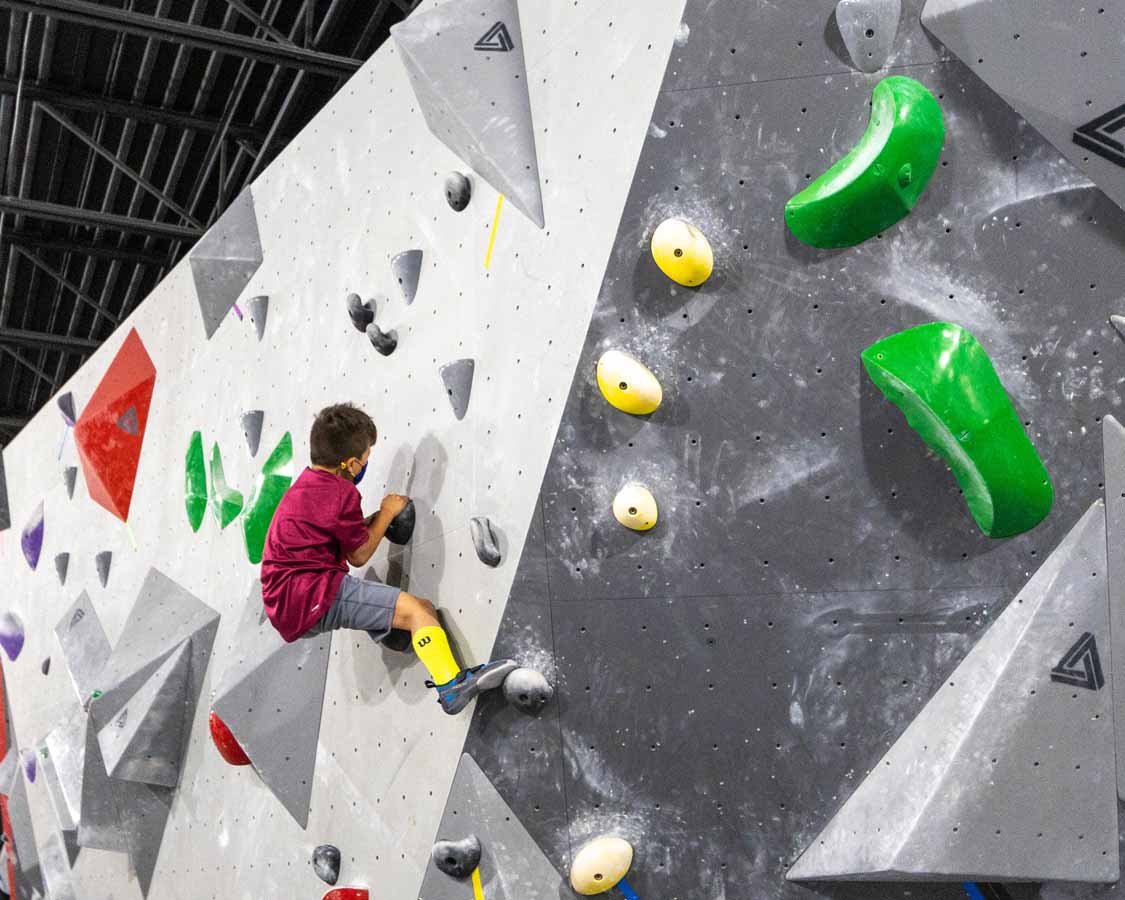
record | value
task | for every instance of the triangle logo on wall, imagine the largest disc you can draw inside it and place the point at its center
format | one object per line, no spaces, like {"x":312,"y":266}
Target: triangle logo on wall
{"x":1081,"y":666}
{"x":1097,"y":135}
{"x":496,"y":38}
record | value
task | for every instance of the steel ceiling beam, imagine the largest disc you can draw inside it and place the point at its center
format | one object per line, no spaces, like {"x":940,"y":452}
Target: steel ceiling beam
{"x":261,"y":23}
{"x":115,"y":18}
{"x":55,"y":212}
{"x":98,"y":249}
{"x":21,"y":337}
{"x":84,"y":101}
{"x":69,"y":285}
{"x":29,"y":365}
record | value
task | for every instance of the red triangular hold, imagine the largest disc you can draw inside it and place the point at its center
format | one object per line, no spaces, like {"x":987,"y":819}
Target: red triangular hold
{"x":346,"y":894}
{"x":110,"y":454}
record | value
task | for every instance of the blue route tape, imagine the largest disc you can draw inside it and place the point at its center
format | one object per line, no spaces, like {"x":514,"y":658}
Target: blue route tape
{"x":972,"y":890}
{"x":627,"y":890}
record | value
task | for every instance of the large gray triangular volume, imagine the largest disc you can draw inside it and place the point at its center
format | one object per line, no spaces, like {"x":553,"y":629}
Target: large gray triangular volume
{"x":466,"y":64}
{"x":868,"y":28}
{"x":1057,"y":65}
{"x":225,"y":259}
{"x":102,"y":563}
{"x":29,"y":878}
{"x":406,"y":269}
{"x":268,"y":675}
{"x":1113,"y":449}
{"x":457,"y":377}
{"x":512,"y":866}
{"x":1008,"y":773}
{"x":259,"y":310}
{"x":56,"y":868}
{"x":252,"y":429}
{"x":84,"y":644}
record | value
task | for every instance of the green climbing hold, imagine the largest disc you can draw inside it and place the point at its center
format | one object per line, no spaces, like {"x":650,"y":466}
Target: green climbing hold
{"x":195,"y":481}
{"x":274,"y":481}
{"x":940,"y":376}
{"x":882,"y":177}
{"x":226,"y":502}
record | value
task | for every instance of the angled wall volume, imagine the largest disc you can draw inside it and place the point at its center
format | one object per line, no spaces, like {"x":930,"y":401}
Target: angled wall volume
{"x":1113,"y":450}
{"x":223,"y":262}
{"x":1008,"y":772}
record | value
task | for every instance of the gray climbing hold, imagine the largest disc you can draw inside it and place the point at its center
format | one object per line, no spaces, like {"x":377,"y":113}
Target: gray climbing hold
{"x":484,"y":540}
{"x":457,"y":377}
{"x":252,"y":429}
{"x":1118,"y":322}
{"x":128,"y":421}
{"x":406,"y":269}
{"x":62,"y":563}
{"x":102,"y":563}
{"x":401,"y":528}
{"x":868,"y":28}
{"x":259,"y":308}
{"x":1032,"y":689}
{"x":66,"y":407}
{"x":457,"y":859}
{"x":362,"y":314}
{"x":458,"y":191}
{"x":527,"y":690}
{"x":383,"y":341}
{"x":45,"y":666}
{"x":70,"y":477}
{"x":466,"y":64}
{"x":326,"y":863}
{"x":225,"y":259}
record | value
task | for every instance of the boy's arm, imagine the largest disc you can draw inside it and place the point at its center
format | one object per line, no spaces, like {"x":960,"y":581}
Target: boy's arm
{"x":377,"y":527}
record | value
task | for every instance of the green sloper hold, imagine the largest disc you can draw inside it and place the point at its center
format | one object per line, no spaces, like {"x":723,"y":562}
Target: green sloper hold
{"x":195,"y":481}
{"x":882,"y":177}
{"x":226,"y":502}
{"x":942,"y":379}
{"x":277,"y":475}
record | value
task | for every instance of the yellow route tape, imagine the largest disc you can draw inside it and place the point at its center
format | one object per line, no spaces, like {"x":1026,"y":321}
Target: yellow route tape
{"x":492,"y":240}
{"x":478,"y":891}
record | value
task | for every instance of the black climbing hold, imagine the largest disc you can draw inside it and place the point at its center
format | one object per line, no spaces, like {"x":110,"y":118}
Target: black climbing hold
{"x":326,"y":863}
{"x":458,"y":190}
{"x":69,"y":477}
{"x":398,"y":639}
{"x":384,"y":342}
{"x":66,"y":407}
{"x":102,"y":563}
{"x":401,"y":528}
{"x":45,"y":666}
{"x":406,"y":268}
{"x":362,"y":314}
{"x":527,"y":690}
{"x":484,"y":539}
{"x":457,"y":859}
{"x":62,"y":563}
{"x":457,"y":377}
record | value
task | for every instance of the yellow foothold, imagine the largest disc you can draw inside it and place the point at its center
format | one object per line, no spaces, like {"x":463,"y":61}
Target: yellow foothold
{"x":683,"y":252}
{"x":628,"y":384}
{"x":635,"y":507}
{"x":600,"y":864}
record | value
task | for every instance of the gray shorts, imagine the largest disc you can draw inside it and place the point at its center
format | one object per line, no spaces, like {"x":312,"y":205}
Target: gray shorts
{"x":364,"y":605}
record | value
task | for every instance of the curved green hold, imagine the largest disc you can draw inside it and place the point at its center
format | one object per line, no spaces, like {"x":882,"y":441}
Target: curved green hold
{"x":882,"y":177}
{"x":226,"y":502}
{"x":277,"y":475}
{"x":195,"y":481}
{"x":940,"y":376}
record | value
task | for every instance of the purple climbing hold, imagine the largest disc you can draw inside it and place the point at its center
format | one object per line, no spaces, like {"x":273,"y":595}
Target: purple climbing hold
{"x":11,"y":635}
{"x":30,"y":767}
{"x":31,"y":540}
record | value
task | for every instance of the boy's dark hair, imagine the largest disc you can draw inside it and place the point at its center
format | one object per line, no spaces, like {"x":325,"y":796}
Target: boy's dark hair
{"x":340,"y":432}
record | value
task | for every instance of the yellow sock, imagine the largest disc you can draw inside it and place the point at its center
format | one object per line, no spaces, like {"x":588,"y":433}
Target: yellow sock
{"x":432,"y":647}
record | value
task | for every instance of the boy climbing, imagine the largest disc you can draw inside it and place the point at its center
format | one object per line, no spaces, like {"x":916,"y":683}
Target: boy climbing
{"x":319,"y":529}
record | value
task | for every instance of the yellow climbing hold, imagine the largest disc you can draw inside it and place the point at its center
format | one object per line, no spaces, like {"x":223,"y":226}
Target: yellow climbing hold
{"x":600,"y":865}
{"x":682,"y":252}
{"x":627,"y":383}
{"x":635,"y":507}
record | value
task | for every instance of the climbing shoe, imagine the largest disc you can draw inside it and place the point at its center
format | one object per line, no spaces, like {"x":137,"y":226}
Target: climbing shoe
{"x":455,"y":695}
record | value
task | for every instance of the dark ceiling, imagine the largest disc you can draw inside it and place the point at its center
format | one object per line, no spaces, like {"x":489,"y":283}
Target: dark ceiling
{"x":126,"y":127}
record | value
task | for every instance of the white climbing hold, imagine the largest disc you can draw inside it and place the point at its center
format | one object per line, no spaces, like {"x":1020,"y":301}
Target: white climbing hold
{"x":635,"y":507}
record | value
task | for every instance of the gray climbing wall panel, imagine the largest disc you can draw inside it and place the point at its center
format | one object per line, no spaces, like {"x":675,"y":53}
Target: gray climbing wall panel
{"x":1113,"y":448}
{"x":84,"y":644}
{"x":225,"y":259}
{"x":725,"y":680}
{"x":484,"y":117}
{"x":1059,"y":65}
{"x":271,"y":699}
{"x":1008,"y":772}
{"x":512,"y":867}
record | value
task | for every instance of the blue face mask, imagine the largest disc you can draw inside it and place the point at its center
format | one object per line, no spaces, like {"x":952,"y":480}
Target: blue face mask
{"x":359,"y":475}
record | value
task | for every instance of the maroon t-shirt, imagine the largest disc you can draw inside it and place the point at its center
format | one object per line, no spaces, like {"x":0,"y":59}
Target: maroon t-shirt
{"x":317,"y":524}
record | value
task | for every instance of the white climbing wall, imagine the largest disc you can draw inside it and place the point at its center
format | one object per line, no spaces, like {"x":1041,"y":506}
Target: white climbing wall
{"x":360,"y":184}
